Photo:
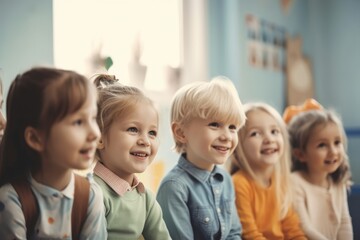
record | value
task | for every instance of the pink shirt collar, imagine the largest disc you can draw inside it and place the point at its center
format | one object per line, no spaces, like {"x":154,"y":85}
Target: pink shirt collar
{"x":119,"y":185}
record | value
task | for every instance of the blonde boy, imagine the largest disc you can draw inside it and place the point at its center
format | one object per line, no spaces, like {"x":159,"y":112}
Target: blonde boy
{"x":197,"y":196}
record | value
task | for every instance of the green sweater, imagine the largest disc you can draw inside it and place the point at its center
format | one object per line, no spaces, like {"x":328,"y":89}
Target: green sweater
{"x":132,"y":215}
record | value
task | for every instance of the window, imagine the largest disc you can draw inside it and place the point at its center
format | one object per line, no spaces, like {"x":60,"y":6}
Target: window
{"x":141,"y":37}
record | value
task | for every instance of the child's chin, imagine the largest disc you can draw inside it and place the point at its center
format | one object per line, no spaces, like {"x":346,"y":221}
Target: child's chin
{"x":220,"y":161}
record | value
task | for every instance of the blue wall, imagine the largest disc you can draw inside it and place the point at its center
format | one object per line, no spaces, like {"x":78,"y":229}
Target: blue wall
{"x":331,"y":34}
{"x":26,"y":37}
{"x":228,"y":38}
{"x":330,"y":31}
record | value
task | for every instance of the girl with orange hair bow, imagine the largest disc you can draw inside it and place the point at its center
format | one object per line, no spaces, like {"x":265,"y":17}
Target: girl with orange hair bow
{"x":321,"y":171}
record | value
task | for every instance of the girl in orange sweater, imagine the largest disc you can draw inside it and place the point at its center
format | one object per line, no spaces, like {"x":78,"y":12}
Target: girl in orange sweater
{"x":260,"y":168}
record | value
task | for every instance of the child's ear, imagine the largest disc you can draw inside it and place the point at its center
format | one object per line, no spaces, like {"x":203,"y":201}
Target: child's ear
{"x":178,"y":132}
{"x":298,"y":153}
{"x":100,"y":144}
{"x":34,"y":139}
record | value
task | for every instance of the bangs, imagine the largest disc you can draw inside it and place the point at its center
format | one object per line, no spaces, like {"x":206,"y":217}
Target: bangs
{"x":220,"y":106}
{"x":65,"y":97}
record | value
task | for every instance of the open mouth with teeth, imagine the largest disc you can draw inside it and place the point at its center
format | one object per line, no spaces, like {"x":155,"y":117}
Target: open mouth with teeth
{"x":329,"y":162}
{"x":138,"y":154}
{"x":268,"y":151}
{"x":85,"y":151}
{"x":221,"y":148}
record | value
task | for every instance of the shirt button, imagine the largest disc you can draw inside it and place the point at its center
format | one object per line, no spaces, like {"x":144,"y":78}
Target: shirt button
{"x":218,"y":210}
{"x":207,"y":219}
{"x":217,"y":191}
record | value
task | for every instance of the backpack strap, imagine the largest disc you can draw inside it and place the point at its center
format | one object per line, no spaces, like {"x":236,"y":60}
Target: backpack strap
{"x":29,"y":205}
{"x":80,"y":205}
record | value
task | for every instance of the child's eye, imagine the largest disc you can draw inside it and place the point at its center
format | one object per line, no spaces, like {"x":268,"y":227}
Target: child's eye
{"x":153,"y":133}
{"x":78,"y":122}
{"x":321,"y":145}
{"x":132,"y":129}
{"x":254,"y":134}
{"x":337,"y":142}
{"x":214,"y":124}
{"x":233,"y":127}
{"x":275,"y":131}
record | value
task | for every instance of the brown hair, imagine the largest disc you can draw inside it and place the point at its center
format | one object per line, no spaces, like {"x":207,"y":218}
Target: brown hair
{"x":37,"y":98}
{"x":115,"y":100}
{"x":300,"y":129}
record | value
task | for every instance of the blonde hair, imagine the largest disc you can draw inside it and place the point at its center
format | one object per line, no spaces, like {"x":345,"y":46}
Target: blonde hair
{"x":115,"y":100}
{"x":239,"y":161}
{"x":300,"y":130}
{"x":217,"y":99}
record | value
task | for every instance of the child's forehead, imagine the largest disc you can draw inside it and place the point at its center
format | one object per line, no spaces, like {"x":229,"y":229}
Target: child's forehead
{"x":329,"y":128}
{"x":225,"y":119}
{"x":140,"y":112}
{"x":258,"y":115}
{"x":260,"y":118}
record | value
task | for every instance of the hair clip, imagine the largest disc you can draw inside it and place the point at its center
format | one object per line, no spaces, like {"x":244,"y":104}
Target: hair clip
{"x":309,"y":104}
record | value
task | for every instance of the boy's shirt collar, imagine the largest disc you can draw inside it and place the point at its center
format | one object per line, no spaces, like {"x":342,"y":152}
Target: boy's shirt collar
{"x":119,"y":185}
{"x":198,"y":173}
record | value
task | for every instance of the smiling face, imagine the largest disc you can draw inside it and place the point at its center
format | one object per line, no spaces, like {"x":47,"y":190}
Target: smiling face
{"x":72,"y":141}
{"x":263,"y":142}
{"x":131,"y":143}
{"x":207,"y":142}
{"x":324,"y":150}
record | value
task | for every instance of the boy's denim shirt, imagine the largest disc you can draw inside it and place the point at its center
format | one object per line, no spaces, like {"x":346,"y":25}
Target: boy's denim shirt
{"x":198,"y":204}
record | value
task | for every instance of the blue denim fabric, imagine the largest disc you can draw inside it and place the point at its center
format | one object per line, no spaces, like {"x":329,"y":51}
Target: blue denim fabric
{"x":198,"y":204}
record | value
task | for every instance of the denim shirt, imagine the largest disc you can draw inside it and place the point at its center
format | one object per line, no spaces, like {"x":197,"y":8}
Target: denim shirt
{"x":198,"y":204}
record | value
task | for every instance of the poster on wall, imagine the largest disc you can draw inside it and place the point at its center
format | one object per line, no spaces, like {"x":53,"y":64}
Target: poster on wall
{"x":265,"y":44}
{"x":254,"y":47}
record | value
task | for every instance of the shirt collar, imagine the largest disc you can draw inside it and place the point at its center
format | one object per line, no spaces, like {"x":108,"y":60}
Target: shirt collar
{"x":200,"y":174}
{"x":119,"y":185}
{"x":52,"y":192}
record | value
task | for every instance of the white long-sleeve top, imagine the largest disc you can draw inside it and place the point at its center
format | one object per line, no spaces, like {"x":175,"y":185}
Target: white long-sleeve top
{"x":324,"y":213}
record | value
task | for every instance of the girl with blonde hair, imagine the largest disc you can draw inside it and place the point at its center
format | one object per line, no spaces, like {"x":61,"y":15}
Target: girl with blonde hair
{"x":260,"y":168}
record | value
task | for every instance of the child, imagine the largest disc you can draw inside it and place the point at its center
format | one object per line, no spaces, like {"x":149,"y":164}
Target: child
{"x":2,"y":118}
{"x":321,"y":171}
{"x":261,"y":175}
{"x":197,"y":196}
{"x":51,"y":130}
{"x":129,"y":142}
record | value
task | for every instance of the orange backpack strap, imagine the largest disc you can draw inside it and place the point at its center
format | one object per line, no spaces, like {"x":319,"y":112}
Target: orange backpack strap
{"x":80,"y":205}
{"x":29,"y":205}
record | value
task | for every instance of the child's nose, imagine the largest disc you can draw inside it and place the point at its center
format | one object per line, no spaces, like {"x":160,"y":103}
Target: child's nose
{"x":226,"y":135}
{"x":94,"y":132}
{"x":334,"y":149}
{"x":144,"y":140}
{"x":268,"y":137}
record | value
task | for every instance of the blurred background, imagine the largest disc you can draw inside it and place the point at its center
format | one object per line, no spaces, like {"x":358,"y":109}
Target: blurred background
{"x":277,"y":51}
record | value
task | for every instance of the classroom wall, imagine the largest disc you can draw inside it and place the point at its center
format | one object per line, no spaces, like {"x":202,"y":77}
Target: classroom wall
{"x":228,"y":42}
{"x":334,"y":37}
{"x":330,"y":31}
{"x":26,"y":37}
